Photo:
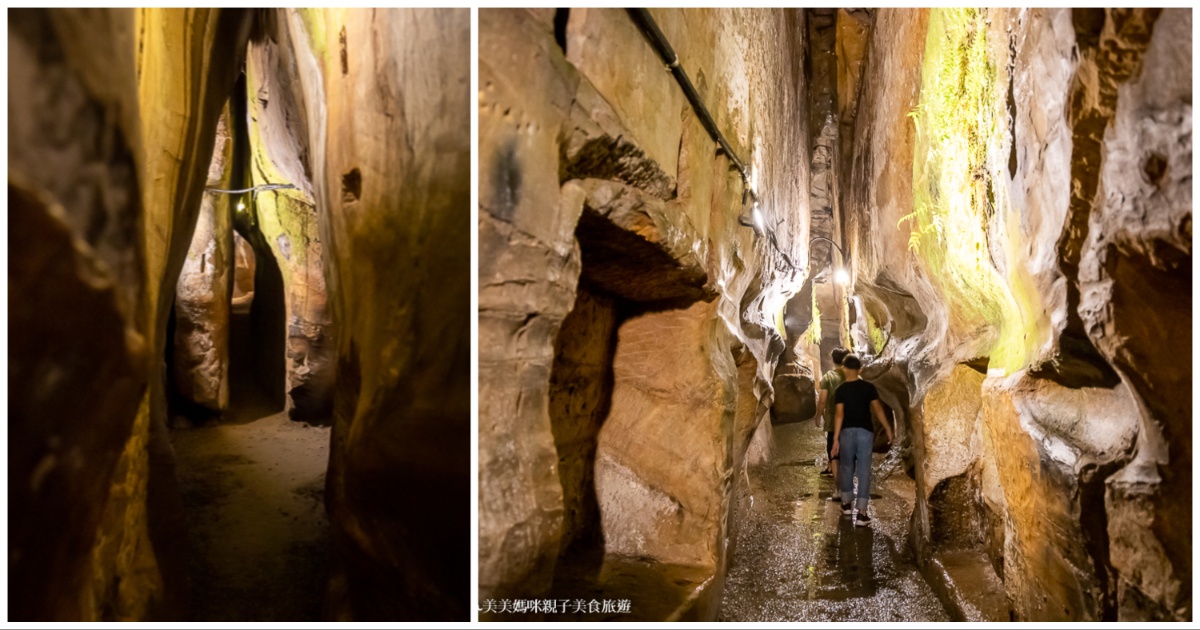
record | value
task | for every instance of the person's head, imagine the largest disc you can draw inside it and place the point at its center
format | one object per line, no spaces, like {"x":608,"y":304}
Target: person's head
{"x":851,"y":365}
{"x":839,"y":355}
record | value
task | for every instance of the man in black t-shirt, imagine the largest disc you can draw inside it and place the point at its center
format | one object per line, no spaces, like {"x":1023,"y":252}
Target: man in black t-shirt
{"x":857,"y":400}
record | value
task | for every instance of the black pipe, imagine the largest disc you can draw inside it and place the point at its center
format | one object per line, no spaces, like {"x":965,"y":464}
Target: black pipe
{"x":654,"y":35}
{"x":650,"y":29}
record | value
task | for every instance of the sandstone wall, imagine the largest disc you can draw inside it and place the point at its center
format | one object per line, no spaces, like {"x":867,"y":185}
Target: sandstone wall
{"x":200,"y":361}
{"x":598,"y":181}
{"x":1025,"y":271}
{"x":74,"y":289}
{"x":288,"y":219}
{"x":112,"y":116}
{"x":386,"y":102}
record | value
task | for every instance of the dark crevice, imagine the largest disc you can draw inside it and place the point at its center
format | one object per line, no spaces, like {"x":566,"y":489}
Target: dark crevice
{"x":1093,"y":518}
{"x":561,"y":17}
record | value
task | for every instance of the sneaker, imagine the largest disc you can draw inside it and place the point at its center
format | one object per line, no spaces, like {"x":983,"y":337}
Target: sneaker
{"x":826,"y":473}
{"x":862,"y":520}
{"x":847,"y":508}
{"x":834,"y":497}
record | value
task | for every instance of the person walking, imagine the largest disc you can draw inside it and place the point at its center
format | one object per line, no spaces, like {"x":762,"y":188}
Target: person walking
{"x":826,"y":410}
{"x":856,"y":400}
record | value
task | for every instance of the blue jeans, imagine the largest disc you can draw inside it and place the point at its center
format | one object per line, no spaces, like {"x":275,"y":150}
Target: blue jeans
{"x":854,"y":453}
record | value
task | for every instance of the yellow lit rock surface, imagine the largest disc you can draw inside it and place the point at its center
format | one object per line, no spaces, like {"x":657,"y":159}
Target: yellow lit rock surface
{"x":1031,"y":276}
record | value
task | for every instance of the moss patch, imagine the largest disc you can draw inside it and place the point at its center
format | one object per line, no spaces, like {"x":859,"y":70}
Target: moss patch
{"x":960,"y":133}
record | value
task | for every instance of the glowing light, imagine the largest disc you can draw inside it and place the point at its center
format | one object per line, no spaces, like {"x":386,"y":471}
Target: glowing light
{"x":241,"y":206}
{"x":758,"y":219}
{"x":841,"y":277}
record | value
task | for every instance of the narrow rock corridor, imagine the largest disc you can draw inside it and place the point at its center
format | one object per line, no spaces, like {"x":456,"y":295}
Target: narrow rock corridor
{"x":684,"y":212}
{"x":239,"y":312}
{"x":248,"y":378}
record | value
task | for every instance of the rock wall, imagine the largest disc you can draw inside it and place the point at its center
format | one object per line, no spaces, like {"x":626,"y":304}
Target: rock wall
{"x":288,"y":219}
{"x":610,"y":244}
{"x":73,"y":295}
{"x":112,"y":116}
{"x":386,"y":105}
{"x":200,"y":358}
{"x":1019,"y":213}
{"x":187,"y":62}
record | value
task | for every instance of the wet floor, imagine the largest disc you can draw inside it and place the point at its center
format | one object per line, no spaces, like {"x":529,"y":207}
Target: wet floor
{"x":799,"y":559}
{"x":652,"y":591}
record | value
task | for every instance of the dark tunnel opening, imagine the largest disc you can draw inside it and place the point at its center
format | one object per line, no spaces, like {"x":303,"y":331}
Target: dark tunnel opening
{"x":257,"y":342}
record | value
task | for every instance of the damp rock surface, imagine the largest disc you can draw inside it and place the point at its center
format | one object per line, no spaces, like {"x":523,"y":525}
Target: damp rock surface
{"x":600,"y":185}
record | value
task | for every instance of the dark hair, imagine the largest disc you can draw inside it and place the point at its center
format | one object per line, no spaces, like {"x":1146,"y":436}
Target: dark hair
{"x":852,"y":362}
{"x":839,"y":355}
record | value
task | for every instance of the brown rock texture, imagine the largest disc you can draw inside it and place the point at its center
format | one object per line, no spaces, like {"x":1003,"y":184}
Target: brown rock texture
{"x":795,"y":388}
{"x":72,"y":425}
{"x":1027,"y":323}
{"x":112,"y":115}
{"x":662,"y":421}
{"x":288,"y":220}
{"x":201,"y":343}
{"x":385,"y":101}
{"x":628,"y":323}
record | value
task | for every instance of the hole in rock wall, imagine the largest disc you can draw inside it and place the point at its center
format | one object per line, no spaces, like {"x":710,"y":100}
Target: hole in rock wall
{"x":621,"y":357}
{"x":561,"y":18}
{"x":1155,"y":168}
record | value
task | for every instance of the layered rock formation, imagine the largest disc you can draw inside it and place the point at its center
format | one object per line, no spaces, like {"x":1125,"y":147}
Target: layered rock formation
{"x":113,"y":117}
{"x":288,"y":219}
{"x":628,"y":323}
{"x":1037,"y":164}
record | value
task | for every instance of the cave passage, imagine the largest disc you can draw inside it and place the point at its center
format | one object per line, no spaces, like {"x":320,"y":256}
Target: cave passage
{"x":253,"y":481}
{"x":251,"y":478}
{"x":683,"y":213}
{"x":195,"y":195}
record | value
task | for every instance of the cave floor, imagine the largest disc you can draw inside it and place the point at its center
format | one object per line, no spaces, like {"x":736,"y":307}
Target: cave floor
{"x":799,"y":559}
{"x":257,"y":528}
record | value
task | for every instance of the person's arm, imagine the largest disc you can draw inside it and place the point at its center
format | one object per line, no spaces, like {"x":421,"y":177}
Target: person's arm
{"x":877,"y":409}
{"x":822,"y":398}
{"x":837,"y":428}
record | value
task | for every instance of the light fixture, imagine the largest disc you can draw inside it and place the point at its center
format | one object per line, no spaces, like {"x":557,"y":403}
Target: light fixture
{"x":840,"y":275}
{"x":757,"y":221}
{"x":241,"y":206}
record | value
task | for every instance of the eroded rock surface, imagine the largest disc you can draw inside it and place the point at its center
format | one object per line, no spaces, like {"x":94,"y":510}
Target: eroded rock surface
{"x":610,"y":247}
{"x":201,"y":344}
{"x":386,"y":99}
{"x":1073,"y":221}
{"x":113,"y":115}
